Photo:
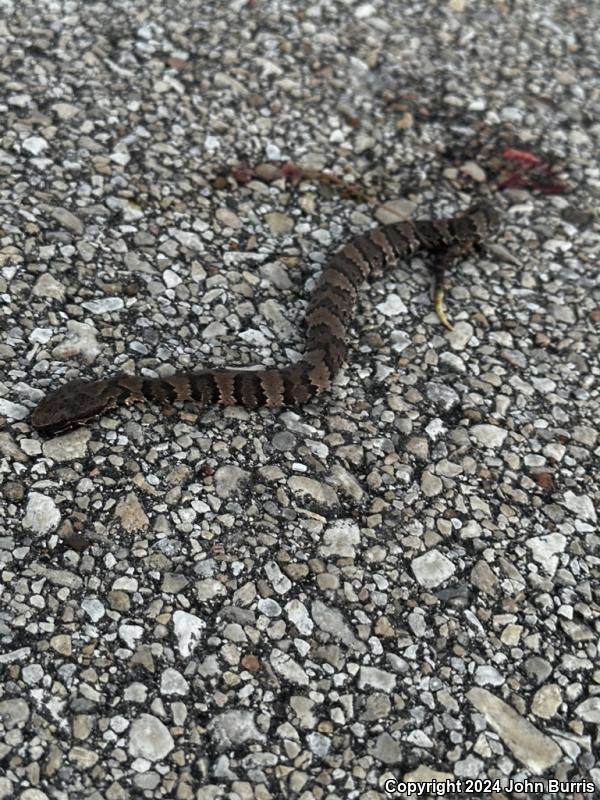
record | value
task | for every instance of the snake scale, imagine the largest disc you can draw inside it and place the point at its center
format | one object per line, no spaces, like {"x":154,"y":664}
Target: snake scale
{"x":328,"y":317}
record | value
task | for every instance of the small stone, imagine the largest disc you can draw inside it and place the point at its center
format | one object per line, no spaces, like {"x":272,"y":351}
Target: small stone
{"x":483,"y":578}
{"x":545,"y":548}
{"x":173,"y":583}
{"x":417,"y":624}
{"x":93,"y":607}
{"x":208,"y":589}
{"x":376,"y":678}
{"x":192,"y":241}
{"x":83,"y":725}
{"x":474,"y":171}
{"x":13,"y":410}
{"x":486,"y":675}
{"x":585,"y":435}
{"x":395,"y":210}
{"x":419,"y":738}
{"x":538,"y":668}
{"x":331,"y":620}
{"x":130,"y":634}
{"x":233,"y":728}
{"x":119,"y":601}
{"x":14,"y":713}
{"x":444,"y":397}
{"x":364,"y":10}
{"x":10,"y":449}
{"x":363,"y":143}
{"x":79,"y":343}
{"x":378,"y":706}
{"x":340,"y":539}
{"x":214,"y":330}
{"x":460,"y":336}
{"x":386,"y":749}
{"x":405,"y":121}
{"x":581,"y":505}
{"x":341,"y":479}
{"x":65,"y":111}
{"x":120,"y":156}
{"x":469,"y":767}
{"x":290,"y":670}
{"x":149,"y":738}
{"x":432,"y":568}
{"x":392,"y":306}
{"x":546,"y":701}
{"x":103,"y":305}
{"x":489,"y":435}
{"x":68,"y":447}
{"x":254,"y":337}
{"x":251,"y":663}
{"x":511,"y":635}
{"x":589,"y":710}
{"x":298,"y":615}
{"x":41,"y":514}
{"x":66,"y":219}
{"x":269,"y":607}
{"x":279,"y":224}
{"x":281,"y":583}
{"x":320,"y":492}
{"x":431,"y":485}
{"x":35,"y":145}
{"x":131,"y":513}
{"x":230,"y":480}
{"x":47,"y":286}
{"x":532,"y":748}
{"x":173,"y":682}
{"x":19,"y":100}
{"x":318,"y":744}
{"x":171,"y":279}
{"x":384,"y":628}
{"x":136,"y":693}
{"x":283,"y":441}
{"x":125,"y":583}
{"x":223,"y":80}
{"x":82,"y":757}
{"x":188,"y":630}
{"x":227,"y":217}
{"x":62,"y":644}
{"x":143,"y":658}
{"x":424,"y":774}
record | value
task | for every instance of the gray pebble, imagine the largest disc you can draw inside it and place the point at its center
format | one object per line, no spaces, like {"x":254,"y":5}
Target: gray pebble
{"x":149,"y":738}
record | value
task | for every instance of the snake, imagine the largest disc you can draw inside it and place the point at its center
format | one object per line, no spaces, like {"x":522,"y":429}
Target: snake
{"x":328,"y":318}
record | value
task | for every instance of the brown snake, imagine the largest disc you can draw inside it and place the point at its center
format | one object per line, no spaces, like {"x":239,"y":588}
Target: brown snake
{"x":328,"y":316}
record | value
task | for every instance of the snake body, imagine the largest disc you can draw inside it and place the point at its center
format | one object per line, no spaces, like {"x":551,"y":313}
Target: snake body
{"x":328,"y":317}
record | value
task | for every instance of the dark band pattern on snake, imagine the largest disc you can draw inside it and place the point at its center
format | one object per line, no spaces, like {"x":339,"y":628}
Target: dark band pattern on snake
{"x":328,"y":318}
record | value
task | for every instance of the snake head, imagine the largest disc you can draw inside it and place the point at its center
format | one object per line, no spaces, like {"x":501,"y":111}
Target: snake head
{"x":72,"y":405}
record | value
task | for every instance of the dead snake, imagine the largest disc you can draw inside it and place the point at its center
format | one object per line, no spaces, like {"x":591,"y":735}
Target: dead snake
{"x":328,"y":316}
